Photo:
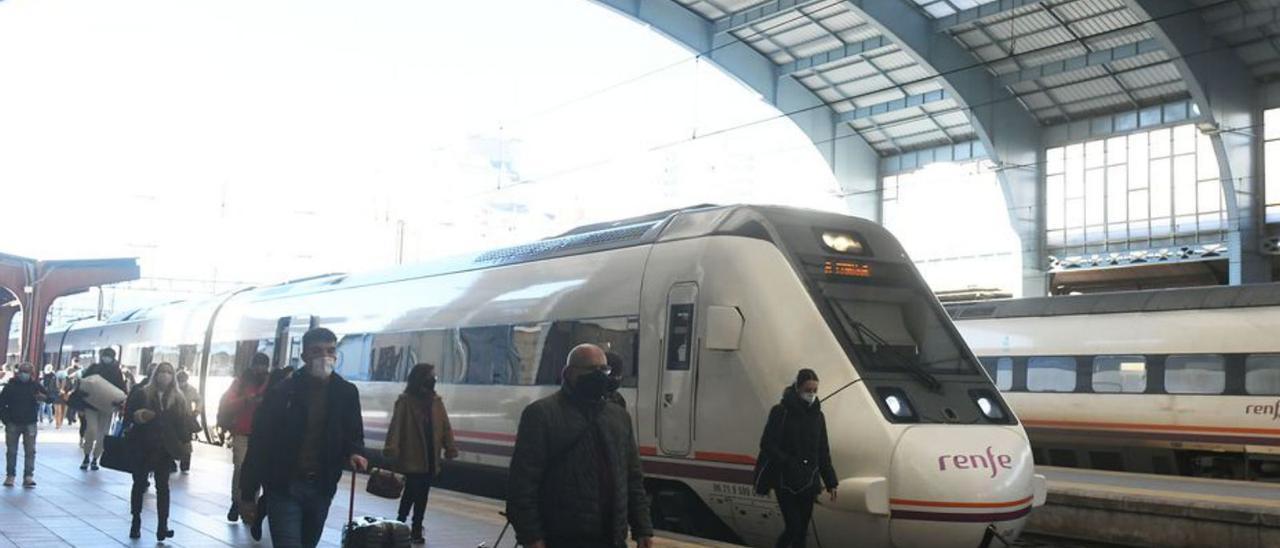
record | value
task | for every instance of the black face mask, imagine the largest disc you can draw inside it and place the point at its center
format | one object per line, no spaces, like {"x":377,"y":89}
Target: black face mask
{"x":591,"y":386}
{"x":428,"y":386}
{"x":614,"y":384}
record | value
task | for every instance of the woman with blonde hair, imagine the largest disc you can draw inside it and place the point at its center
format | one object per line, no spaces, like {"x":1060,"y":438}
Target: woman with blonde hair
{"x":159,"y":425}
{"x":418,"y":435}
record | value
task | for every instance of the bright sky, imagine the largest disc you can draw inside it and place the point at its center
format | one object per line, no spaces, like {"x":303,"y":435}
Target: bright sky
{"x":257,"y":140}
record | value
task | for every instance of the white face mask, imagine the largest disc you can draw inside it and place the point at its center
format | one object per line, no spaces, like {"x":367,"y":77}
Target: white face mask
{"x":809,"y":397}
{"x":321,"y":367}
{"x":163,"y":380}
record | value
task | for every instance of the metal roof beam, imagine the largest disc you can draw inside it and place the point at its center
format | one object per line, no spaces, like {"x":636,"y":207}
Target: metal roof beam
{"x":759,"y":13}
{"x":886,"y":107}
{"x":846,"y":51}
{"x":1244,"y":21}
{"x":976,"y":13}
{"x":1072,"y":64}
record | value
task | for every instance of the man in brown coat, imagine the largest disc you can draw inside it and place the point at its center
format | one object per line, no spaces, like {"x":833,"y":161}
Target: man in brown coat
{"x":419,"y":433}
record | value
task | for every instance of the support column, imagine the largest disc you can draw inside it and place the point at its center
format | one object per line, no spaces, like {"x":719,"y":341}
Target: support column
{"x":7,"y":311}
{"x":1221,"y":86}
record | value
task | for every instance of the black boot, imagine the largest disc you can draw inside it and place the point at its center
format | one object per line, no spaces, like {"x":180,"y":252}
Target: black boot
{"x":163,"y":532}
{"x":135,"y":528}
{"x":415,"y":533}
{"x":234,"y":513}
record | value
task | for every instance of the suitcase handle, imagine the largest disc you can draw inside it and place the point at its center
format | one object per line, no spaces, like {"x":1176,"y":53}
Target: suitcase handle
{"x":351,"y":504}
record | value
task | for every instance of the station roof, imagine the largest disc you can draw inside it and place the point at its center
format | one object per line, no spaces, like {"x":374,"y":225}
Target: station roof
{"x":1062,"y":60}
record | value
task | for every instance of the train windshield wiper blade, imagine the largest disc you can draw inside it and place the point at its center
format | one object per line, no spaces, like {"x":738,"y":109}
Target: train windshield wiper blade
{"x":860,"y":335}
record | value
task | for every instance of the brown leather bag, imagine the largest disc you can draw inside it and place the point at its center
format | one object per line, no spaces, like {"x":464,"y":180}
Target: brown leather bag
{"x":384,"y":483}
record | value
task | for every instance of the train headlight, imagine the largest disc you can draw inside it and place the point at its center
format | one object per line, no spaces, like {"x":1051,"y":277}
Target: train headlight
{"x":896,"y":404}
{"x":989,"y":406}
{"x":842,"y":242}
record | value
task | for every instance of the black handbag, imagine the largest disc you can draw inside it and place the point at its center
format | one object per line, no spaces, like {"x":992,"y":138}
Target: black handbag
{"x":118,"y":453}
{"x":766,"y":472}
{"x":384,"y":483}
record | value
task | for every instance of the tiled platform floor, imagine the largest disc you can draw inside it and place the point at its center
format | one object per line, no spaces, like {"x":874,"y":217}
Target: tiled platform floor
{"x":69,"y":507}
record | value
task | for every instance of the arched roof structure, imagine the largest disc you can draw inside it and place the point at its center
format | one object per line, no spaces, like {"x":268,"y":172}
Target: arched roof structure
{"x":884,"y":85}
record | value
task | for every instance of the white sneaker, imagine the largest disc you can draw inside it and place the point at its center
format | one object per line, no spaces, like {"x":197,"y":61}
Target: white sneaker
{"x":8,"y":481}
{"x":28,"y":481}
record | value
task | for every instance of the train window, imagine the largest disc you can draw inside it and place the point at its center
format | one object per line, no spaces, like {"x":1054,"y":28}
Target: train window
{"x":388,"y":357}
{"x":222,"y":359}
{"x":1051,"y":374}
{"x":680,"y":346}
{"x":1000,"y":370}
{"x":1195,"y":374}
{"x":1127,"y":374}
{"x":615,"y":335}
{"x":501,"y":354}
{"x":1262,"y":374}
{"x":898,"y":328}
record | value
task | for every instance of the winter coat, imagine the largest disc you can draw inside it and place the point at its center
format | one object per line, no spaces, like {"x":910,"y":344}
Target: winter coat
{"x":406,"y":437}
{"x":110,"y":372}
{"x":280,"y":424}
{"x":795,"y":442}
{"x":193,"y":397}
{"x":18,"y":403}
{"x":554,"y":484}
{"x":240,"y":403}
{"x":167,"y":436}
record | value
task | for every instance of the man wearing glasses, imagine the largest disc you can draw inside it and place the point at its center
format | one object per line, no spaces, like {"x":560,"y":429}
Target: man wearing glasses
{"x":575,"y":478}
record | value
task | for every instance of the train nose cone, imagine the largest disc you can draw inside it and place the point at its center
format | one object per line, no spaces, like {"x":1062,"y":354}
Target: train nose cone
{"x":948,"y":484}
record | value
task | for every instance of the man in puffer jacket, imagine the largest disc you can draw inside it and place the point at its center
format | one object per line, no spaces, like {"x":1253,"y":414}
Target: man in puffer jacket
{"x":575,"y":478}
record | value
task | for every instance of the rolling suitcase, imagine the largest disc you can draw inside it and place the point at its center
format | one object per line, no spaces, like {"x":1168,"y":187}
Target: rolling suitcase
{"x":371,"y":532}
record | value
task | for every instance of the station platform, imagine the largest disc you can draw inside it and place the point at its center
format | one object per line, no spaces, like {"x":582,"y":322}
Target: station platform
{"x":70,"y":507}
{"x":1152,"y":510}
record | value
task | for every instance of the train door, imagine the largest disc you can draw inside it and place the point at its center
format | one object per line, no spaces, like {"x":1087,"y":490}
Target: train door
{"x":679,"y":372}
{"x":289,"y":332}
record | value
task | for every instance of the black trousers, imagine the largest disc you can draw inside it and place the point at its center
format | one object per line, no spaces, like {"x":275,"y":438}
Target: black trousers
{"x":417,"y":487}
{"x":160,"y":470}
{"x":796,"y":513}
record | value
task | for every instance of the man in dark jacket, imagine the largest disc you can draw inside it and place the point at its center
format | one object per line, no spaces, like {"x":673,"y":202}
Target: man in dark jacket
{"x":575,"y":478}
{"x":19,"y":405}
{"x":305,"y":431}
{"x":97,"y":421}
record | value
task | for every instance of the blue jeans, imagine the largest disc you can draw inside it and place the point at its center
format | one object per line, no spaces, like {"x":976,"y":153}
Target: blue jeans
{"x":296,"y":515}
{"x":27,"y":432}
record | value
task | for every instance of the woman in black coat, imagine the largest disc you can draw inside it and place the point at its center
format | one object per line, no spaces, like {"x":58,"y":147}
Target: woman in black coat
{"x":159,"y":425}
{"x":797,"y":456}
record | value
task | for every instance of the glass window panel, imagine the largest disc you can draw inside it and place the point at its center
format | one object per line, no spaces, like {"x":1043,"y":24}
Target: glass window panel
{"x":1271,"y":120}
{"x":1118,"y":232}
{"x":1138,"y":174}
{"x":1138,"y":205}
{"x":1161,"y":226}
{"x":1000,"y":370}
{"x":1055,"y":201}
{"x":1160,"y":145}
{"x":1184,"y":224}
{"x":1075,"y":183}
{"x":1117,"y":192}
{"x":1184,"y":139}
{"x":1272,"y":166}
{"x":1206,"y":159}
{"x":1127,"y":374}
{"x":1056,"y":238}
{"x":1054,"y":160}
{"x":1075,"y":236}
{"x":1095,"y":196}
{"x":1095,"y":153}
{"x":1195,"y":374}
{"x":1210,"y":196}
{"x":1075,"y":212}
{"x":1184,"y":185}
{"x":1211,"y":221}
{"x":1074,"y":160}
{"x":1055,"y":374}
{"x":1262,"y":371}
{"x":1161,"y":193}
{"x":1117,"y":150}
{"x":1138,"y":148}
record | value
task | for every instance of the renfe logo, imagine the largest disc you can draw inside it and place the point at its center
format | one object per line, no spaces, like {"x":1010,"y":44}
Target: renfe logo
{"x":1266,"y":409}
{"x":989,"y":461}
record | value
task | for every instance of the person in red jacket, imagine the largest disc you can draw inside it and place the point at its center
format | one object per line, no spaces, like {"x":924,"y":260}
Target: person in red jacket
{"x":235,"y":413}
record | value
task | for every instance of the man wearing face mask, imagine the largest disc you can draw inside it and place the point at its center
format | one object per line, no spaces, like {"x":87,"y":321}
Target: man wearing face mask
{"x":19,"y":404}
{"x":575,"y":478}
{"x":305,"y":431}
{"x":97,"y":421}
{"x":235,"y":415}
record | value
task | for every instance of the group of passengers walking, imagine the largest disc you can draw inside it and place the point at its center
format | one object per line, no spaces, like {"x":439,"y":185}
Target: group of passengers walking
{"x":575,"y":478}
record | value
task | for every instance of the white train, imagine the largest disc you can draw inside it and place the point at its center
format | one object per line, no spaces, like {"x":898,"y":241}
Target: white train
{"x":1177,"y":381}
{"x":713,"y":310}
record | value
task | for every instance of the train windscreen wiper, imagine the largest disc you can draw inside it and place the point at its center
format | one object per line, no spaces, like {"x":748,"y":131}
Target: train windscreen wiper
{"x":863,"y":336}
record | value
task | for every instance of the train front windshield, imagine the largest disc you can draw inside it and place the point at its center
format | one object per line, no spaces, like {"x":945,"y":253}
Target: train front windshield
{"x":897,"y":328}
